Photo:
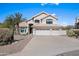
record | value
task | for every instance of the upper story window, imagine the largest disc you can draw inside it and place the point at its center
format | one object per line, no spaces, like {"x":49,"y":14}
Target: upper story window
{"x":49,"y":21}
{"x":36,"y":21}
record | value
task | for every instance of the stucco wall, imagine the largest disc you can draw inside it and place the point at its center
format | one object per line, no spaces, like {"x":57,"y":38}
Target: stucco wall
{"x":25,"y":28}
{"x":53,"y":20}
{"x":44,"y":20}
{"x":40,"y":16}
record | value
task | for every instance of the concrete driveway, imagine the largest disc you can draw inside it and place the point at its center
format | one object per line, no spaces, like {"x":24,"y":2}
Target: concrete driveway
{"x":49,"y":46}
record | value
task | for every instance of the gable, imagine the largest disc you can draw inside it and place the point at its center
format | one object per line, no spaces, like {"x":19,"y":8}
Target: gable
{"x":23,"y":24}
{"x":43,"y":15}
{"x":40,"y":16}
{"x":54,"y":20}
{"x":50,"y":16}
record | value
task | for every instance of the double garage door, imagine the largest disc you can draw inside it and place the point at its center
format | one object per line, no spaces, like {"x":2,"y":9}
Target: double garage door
{"x":49,"y":32}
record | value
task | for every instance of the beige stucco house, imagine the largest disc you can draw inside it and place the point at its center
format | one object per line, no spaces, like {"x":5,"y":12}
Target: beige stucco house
{"x":38,"y":24}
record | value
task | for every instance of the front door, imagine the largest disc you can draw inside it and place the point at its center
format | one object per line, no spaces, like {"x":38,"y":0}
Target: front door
{"x":30,"y":28}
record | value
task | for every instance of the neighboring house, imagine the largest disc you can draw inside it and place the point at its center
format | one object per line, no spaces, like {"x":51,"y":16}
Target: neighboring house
{"x":77,"y":23}
{"x":41,"y":23}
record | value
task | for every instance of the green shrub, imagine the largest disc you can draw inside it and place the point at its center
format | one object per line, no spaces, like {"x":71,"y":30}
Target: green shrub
{"x":71,"y":33}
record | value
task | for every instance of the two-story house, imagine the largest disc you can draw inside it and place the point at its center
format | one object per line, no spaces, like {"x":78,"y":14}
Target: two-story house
{"x":42,"y":23}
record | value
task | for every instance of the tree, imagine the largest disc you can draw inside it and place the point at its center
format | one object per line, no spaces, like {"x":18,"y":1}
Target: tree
{"x":69,"y":27}
{"x":13,"y":20}
{"x":9,"y":21}
{"x":17,"y":20}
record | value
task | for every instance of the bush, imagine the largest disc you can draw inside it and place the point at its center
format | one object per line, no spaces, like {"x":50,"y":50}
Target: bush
{"x":6,"y":37}
{"x":76,"y":31}
{"x":71,"y":33}
{"x":68,"y":27}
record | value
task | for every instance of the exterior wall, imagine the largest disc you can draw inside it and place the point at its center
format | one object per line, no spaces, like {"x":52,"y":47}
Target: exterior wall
{"x":53,"y":20}
{"x":25,"y":30}
{"x":31,"y":21}
{"x":40,"y":16}
{"x":44,"y":20}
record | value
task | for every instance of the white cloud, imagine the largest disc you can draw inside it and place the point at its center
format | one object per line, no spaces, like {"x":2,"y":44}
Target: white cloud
{"x":43,"y":4}
{"x":53,"y":14}
{"x":57,"y":3}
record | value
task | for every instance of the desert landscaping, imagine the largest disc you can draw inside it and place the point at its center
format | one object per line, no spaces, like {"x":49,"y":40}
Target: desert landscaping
{"x":39,"y":32}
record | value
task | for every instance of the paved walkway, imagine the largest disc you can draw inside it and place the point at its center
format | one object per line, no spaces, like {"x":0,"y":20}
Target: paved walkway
{"x":48,"y":46}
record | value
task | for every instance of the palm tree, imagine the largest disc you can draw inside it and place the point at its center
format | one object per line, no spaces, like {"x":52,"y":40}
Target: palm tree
{"x":17,"y":19}
{"x":9,"y":21}
{"x":13,"y":20}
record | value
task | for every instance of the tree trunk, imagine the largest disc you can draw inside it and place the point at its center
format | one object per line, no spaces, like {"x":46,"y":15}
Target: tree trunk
{"x":17,"y":28}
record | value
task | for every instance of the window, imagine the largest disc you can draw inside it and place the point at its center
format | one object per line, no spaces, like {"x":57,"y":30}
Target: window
{"x":49,"y":21}
{"x":23,"y":30}
{"x":36,"y":21}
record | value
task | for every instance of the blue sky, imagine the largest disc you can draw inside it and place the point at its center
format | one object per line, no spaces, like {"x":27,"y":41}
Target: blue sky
{"x":66,"y":12}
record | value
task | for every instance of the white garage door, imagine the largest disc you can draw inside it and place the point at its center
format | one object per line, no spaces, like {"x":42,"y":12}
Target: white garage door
{"x":49,"y":32}
{"x":42,"y":32}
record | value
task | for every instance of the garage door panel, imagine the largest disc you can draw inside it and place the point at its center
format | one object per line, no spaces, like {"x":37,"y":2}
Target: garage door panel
{"x":43,"y":32}
{"x":49,"y":32}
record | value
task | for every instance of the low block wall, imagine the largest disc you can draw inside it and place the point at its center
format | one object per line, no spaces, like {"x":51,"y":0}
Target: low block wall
{"x":16,"y":47}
